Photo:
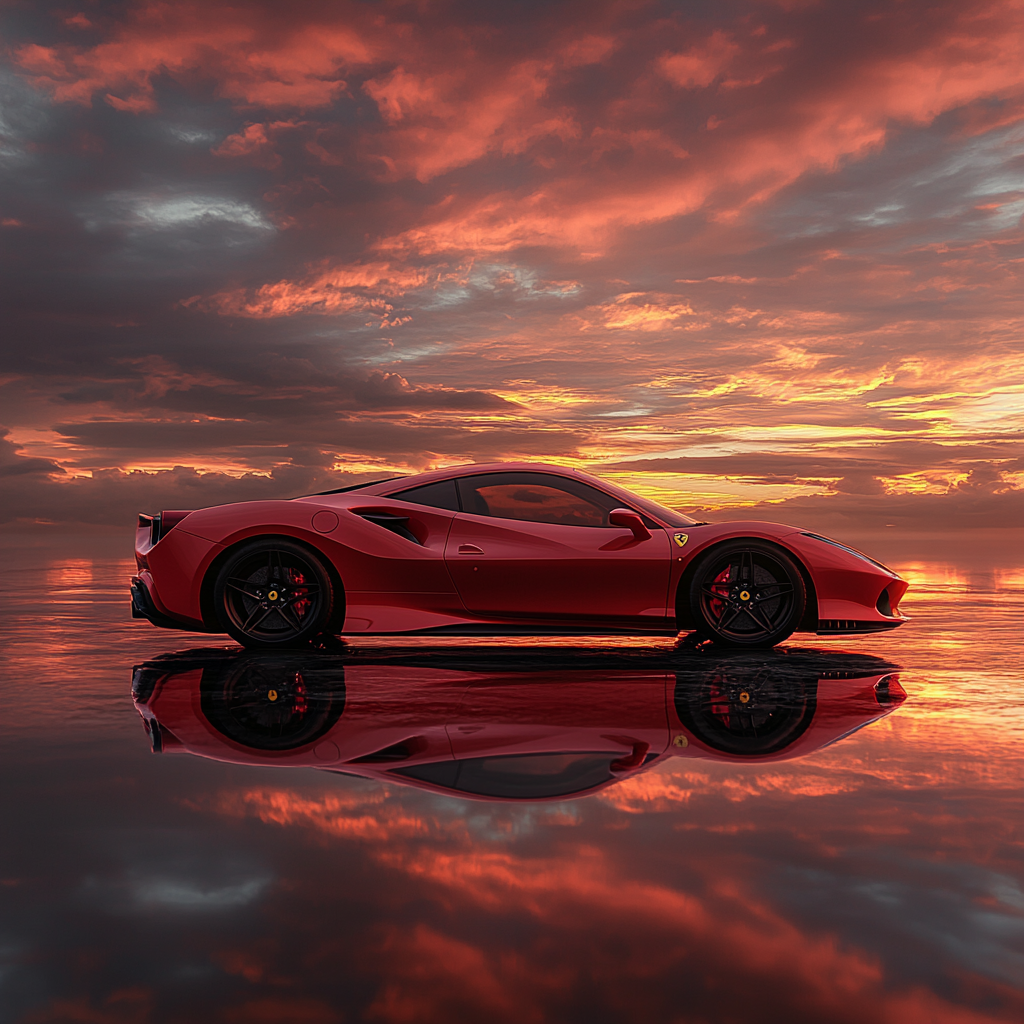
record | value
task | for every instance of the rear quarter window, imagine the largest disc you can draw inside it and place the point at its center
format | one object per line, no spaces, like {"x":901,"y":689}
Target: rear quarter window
{"x":439,"y":495}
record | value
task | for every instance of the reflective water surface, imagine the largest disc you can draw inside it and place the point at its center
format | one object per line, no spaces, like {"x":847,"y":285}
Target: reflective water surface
{"x":592,"y":830}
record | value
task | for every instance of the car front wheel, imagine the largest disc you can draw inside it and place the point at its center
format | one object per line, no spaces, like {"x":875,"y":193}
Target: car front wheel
{"x":747,"y":594}
{"x":273,"y":593}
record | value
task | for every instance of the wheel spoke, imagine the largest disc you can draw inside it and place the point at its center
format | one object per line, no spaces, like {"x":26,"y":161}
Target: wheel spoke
{"x":723,"y":621}
{"x":747,"y":567}
{"x":758,"y":615}
{"x":713,"y":594}
{"x":274,"y":565}
{"x":287,"y":613}
{"x":244,"y":587}
{"x":779,"y":588}
{"x":258,"y":615}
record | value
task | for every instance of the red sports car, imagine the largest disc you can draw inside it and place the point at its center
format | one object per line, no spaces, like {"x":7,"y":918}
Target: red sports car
{"x":506,"y":724}
{"x":497,"y":549}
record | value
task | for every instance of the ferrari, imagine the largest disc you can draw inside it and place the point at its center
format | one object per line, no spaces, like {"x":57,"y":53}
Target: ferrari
{"x":505,"y":724}
{"x":499,"y":549}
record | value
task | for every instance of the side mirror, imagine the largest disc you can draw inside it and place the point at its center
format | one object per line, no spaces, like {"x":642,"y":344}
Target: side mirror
{"x":631,"y":761}
{"x":628,"y":519}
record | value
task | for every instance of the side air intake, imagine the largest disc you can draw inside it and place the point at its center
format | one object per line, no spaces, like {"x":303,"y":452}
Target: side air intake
{"x":398,"y":525}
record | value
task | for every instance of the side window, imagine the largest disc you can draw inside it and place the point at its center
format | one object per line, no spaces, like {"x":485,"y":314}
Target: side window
{"x":439,"y":495}
{"x":535,"y":498}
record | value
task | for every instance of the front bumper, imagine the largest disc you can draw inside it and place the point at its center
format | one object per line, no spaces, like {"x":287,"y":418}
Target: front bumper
{"x":841,"y":627}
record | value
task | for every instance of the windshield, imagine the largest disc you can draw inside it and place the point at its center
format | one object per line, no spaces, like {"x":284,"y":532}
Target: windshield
{"x":669,"y":516}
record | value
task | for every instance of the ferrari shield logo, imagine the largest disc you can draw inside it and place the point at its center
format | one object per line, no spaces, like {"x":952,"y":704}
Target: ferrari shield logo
{"x":680,"y":539}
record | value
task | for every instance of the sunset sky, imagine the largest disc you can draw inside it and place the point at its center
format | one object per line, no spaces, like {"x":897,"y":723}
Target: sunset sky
{"x":727,"y":254}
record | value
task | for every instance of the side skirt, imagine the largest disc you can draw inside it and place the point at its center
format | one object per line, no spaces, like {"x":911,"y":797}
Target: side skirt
{"x":502,"y":630}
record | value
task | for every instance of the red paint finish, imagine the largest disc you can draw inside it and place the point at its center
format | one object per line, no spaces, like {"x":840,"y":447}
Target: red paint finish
{"x":176,"y":565}
{"x":507,"y":568}
{"x":325,"y":521}
{"x":453,"y":569}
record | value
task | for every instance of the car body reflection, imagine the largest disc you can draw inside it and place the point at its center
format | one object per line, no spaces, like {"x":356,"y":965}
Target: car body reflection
{"x":506,"y":724}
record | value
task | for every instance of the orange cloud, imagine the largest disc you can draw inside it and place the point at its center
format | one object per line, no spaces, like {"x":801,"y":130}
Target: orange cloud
{"x":292,"y":66}
{"x":639,"y":311}
{"x":254,"y":143}
{"x":699,"y":66}
{"x":446,"y":101}
{"x":777,"y":139}
{"x":438,"y":122}
{"x":327,"y":290}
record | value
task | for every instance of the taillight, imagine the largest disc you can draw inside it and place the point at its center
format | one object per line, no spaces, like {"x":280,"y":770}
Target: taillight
{"x":160,"y":525}
{"x":169,"y":519}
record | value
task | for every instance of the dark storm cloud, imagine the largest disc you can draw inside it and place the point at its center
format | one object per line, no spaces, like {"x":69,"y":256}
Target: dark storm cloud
{"x":366,"y":228}
{"x":40,"y":490}
{"x":12,"y":464}
{"x":890,"y":459}
{"x":412,"y":440}
{"x":983,"y":501}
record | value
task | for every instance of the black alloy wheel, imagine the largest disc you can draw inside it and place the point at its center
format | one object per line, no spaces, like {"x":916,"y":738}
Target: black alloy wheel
{"x":273,"y":593}
{"x":747,"y":594}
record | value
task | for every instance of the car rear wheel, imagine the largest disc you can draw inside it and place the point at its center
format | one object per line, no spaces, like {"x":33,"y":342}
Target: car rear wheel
{"x":273,"y":593}
{"x":747,"y":594}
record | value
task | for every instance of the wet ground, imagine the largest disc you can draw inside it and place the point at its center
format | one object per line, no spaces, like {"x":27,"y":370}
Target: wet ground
{"x":585,"y":830}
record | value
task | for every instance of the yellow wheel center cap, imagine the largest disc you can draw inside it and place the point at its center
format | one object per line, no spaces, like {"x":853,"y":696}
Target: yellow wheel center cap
{"x":272,"y":695}
{"x":744,"y":595}
{"x":273,"y":595}
{"x":744,"y":698}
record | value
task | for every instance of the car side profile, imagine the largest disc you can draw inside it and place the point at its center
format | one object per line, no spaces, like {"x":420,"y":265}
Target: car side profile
{"x":497,"y":549}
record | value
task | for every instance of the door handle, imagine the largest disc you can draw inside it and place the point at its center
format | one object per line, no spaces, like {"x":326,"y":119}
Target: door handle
{"x":470,"y":549}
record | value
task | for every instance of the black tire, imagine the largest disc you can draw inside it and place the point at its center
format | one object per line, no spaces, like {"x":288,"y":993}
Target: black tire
{"x":747,"y":594}
{"x":273,"y":702}
{"x":273,"y":593}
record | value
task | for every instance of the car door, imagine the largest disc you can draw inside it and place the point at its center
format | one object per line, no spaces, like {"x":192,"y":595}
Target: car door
{"x":535,"y":545}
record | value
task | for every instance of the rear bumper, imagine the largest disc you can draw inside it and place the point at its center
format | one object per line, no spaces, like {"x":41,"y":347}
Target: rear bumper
{"x":144,"y":608}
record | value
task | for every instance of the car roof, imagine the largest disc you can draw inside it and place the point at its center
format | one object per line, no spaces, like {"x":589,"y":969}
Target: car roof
{"x":392,"y":486}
